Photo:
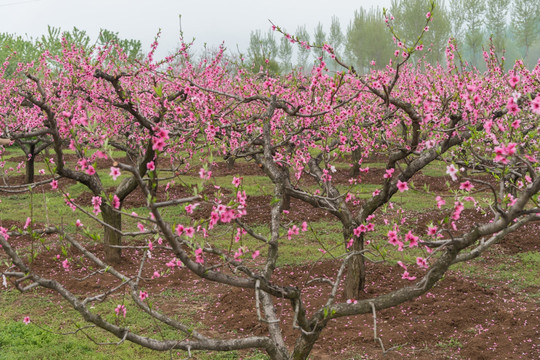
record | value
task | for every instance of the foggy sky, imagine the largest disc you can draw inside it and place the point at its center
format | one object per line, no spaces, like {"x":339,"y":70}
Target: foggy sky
{"x":208,"y":21}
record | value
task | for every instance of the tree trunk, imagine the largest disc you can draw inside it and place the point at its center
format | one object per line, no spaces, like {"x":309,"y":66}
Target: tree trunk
{"x":356,"y":155}
{"x":304,"y":345}
{"x":111,"y":237}
{"x":356,"y":272}
{"x":30,"y":164}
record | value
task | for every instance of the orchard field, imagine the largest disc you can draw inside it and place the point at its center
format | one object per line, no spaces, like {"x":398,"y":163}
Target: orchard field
{"x":194,"y":208}
{"x":483,"y":309}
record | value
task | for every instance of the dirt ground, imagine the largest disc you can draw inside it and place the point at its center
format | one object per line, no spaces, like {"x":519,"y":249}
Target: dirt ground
{"x":458,"y":319}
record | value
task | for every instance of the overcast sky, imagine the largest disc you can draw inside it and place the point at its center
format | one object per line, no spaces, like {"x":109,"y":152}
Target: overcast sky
{"x":208,"y":21}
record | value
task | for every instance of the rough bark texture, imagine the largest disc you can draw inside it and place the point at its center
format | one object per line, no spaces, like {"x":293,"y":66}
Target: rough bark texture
{"x":30,"y":164}
{"x":112,"y":237}
{"x":356,"y":272}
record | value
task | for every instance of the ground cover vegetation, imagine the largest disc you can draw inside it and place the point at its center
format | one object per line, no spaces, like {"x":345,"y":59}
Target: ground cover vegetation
{"x":185,"y":206}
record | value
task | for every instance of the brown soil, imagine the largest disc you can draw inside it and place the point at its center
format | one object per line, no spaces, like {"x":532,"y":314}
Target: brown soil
{"x":72,"y":159}
{"x":458,"y":319}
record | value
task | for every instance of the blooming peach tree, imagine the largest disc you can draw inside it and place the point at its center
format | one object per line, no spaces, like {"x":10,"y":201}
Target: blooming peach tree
{"x":480,"y":128}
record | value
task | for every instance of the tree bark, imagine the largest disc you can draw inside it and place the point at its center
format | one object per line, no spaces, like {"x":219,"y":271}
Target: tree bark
{"x":356,"y":273}
{"x":30,"y":164}
{"x":304,"y":345}
{"x":356,"y":155}
{"x":111,"y":237}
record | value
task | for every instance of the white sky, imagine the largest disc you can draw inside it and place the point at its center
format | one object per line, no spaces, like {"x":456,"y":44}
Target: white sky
{"x":208,"y":21}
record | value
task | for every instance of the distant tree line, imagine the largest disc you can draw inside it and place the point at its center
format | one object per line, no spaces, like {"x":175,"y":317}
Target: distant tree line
{"x":17,"y":49}
{"x":512,"y":27}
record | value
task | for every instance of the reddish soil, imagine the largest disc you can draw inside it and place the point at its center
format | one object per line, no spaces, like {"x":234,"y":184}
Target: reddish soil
{"x":72,"y":158}
{"x":457,"y":319}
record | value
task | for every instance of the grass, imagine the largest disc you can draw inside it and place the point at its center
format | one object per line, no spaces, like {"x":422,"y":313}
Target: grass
{"x":519,"y":272}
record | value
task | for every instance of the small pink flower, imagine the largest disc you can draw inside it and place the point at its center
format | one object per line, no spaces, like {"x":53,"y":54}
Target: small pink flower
{"x":389,"y":173}
{"x":180,"y":229}
{"x":158,"y":144}
{"x":116,"y":202}
{"x":143,"y":295}
{"x":78,"y":223}
{"x":115,"y":172}
{"x":54,"y":184}
{"x":255,"y":254}
{"x":65,"y":265}
{"x":26,"y":320}
{"x":421,"y":262}
{"x":90,"y":171}
{"x":402,"y":186}
{"x":120,"y":309}
{"x":140,"y":226}
{"x":514,"y":79}
{"x":440,"y":201}
{"x":467,"y":186}
{"x":151,"y":166}
{"x":236,"y":181}
{"x":189,"y":232}
{"x":198,"y":256}
{"x":452,"y":171}
{"x":27,"y":223}
{"x":304,"y":226}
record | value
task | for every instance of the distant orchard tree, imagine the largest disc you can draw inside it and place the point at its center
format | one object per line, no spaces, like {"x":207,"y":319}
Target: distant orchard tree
{"x":496,"y":27}
{"x":525,"y":23}
{"x":368,"y":40}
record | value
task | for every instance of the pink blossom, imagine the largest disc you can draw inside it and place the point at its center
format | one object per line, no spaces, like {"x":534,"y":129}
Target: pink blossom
{"x":205,"y":175}
{"x":189,"y":208}
{"x":421,"y":262}
{"x":140,"y":226}
{"x":514,"y":79}
{"x":96,"y":201}
{"x":143,"y":295}
{"x":413,"y":240}
{"x":432,"y":230}
{"x":27,"y":223}
{"x":292,"y":231}
{"x":65,"y":264}
{"x":158,"y":144}
{"x":90,"y":170}
{"x":402,"y":186}
{"x":116,"y":202}
{"x":151,"y":166}
{"x":189,"y":231}
{"x":198,"y":256}
{"x":535,"y":105}
{"x":115,"y":172}
{"x":78,"y":223}
{"x":512,"y":107}
{"x":26,"y":320}
{"x":236,"y":181}
{"x":452,"y":171}
{"x":407,"y":276}
{"x":54,"y":184}
{"x":255,"y":254}
{"x":179,"y":229}
{"x":440,"y":201}
{"x":120,"y":309}
{"x":467,"y":186}
{"x":388,"y":173}
{"x":304,"y":226}
{"x":359,"y":230}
